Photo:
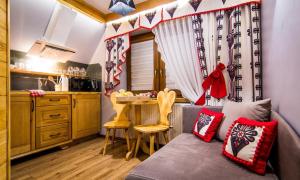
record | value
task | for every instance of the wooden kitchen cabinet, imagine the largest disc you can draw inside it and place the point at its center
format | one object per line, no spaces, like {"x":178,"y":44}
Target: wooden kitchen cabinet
{"x":53,"y":120}
{"x":85,"y":115}
{"x":22,"y":123}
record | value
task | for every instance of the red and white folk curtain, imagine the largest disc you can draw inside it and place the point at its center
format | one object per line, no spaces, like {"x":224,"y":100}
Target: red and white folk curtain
{"x":232,"y":37}
{"x":115,"y":57}
{"x":205,"y":33}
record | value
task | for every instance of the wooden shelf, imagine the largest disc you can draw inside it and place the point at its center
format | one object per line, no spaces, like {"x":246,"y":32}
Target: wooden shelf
{"x":22,"y":71}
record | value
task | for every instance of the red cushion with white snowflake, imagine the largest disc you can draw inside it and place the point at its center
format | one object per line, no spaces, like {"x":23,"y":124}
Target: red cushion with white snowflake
{"x":249,"y":142}
{"x":207,"y":123}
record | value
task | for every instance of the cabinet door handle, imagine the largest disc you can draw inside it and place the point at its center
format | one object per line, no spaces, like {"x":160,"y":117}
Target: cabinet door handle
{"x":55,"y":99}
{"x":32,"y":105}
{"x":54,"y":135}
{"x":74,"y":103}
{"x":55,"y":115}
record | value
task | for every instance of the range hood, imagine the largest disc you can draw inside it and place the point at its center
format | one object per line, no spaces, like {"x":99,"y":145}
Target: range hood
{"x":44,"y":49}
{"x":52,"y":45}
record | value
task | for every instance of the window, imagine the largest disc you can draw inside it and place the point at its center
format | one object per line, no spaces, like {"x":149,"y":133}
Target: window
{"x":145,"y":69}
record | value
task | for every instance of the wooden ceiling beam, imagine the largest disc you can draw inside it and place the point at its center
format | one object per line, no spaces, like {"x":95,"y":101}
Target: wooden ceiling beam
{"x":85,"y":8}
{"x":139,"y":7}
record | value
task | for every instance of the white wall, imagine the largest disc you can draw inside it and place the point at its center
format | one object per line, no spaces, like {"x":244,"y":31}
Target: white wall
{"x":281,"y":43}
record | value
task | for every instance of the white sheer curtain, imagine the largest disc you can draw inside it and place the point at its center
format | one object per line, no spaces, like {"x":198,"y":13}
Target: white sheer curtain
{"x":176,"y":44}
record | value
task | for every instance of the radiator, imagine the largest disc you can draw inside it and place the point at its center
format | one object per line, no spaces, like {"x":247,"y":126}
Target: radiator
{"x":150,"y":115}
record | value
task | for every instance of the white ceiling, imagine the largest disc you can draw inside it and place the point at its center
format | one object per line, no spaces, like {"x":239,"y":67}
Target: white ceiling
{"x":102,"y":5}
{"x":29,"y":20}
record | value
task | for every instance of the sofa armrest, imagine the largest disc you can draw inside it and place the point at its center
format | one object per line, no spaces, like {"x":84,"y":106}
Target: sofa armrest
{"x":189,"y":115}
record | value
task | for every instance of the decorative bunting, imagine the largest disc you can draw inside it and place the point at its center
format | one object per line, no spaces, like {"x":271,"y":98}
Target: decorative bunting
{"x":150,"y":16}
{"x":132,"y":22}
{"x":116,"y":26}
{"x":171,"y":10}
{"x":195,"y":4}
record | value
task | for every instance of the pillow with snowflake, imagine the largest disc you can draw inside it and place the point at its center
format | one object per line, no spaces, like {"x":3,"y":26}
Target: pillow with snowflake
{"x":207,"y":123}
{"x":249,"y":142}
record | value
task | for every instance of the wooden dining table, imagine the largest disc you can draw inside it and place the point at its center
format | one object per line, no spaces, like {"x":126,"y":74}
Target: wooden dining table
{"x":137,"y":102}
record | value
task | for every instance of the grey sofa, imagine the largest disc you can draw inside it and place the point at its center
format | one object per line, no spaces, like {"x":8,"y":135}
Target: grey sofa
{"x":188,"y":157}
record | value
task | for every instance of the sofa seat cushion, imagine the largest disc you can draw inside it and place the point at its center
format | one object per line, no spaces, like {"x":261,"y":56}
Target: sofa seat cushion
{"x":187,"y":157}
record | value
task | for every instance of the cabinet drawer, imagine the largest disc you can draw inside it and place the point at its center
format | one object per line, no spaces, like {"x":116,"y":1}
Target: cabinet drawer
{"x":50,"y":135}
{"x":53,"y":100}
{"x":50,"y":115}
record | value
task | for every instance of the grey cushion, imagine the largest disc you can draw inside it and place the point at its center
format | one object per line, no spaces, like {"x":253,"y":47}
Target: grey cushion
{"x":187,"y":157}
{"x":259,"y":110}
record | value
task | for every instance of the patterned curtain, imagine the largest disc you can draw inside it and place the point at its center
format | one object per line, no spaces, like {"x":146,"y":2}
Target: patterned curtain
{"x":233,"y":38}
{"x":115,"y":57}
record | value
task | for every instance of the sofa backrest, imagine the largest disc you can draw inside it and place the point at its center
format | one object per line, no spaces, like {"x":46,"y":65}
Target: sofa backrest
{"x":285,"y":155}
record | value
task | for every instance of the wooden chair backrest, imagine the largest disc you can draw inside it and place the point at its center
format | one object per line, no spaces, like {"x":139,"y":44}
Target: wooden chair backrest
{"x":165,"y":100}
{"x":120,"y":108}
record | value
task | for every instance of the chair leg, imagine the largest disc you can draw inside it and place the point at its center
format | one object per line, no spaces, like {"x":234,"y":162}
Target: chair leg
{"x":166,"y":136}
{"x":157,"y":141}
{"x":152,"y":139}
{"x":106,"y":140}
{"x":126,"y":135}
{"x":113,"y":136}
{"x":137,"y":144}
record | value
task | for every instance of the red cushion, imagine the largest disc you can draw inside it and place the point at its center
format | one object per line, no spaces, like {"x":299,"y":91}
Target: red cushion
{"x":249,"y":142}
{"x":207,"y":123}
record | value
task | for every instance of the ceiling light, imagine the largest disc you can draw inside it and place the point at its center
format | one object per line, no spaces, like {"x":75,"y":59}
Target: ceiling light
{"x":122,"y":7}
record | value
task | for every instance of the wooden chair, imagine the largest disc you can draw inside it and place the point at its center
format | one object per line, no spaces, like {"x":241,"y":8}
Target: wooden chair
{"x":165,"y":100}
{"x":120,"y":120}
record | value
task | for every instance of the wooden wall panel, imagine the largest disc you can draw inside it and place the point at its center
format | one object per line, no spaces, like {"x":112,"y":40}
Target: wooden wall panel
{"x":3,"y":109}
{"x":4,"y":92}
{"x":2,"y":83}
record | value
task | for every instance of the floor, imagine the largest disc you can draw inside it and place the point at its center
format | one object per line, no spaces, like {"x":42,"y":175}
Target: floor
{"x":80,"y":161}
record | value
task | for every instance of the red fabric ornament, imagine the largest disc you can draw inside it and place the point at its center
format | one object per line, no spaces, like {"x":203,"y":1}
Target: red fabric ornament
{"x":216,"y":82}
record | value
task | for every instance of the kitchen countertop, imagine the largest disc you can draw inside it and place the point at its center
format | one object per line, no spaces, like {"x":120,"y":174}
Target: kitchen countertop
{"x":52,"y":92}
